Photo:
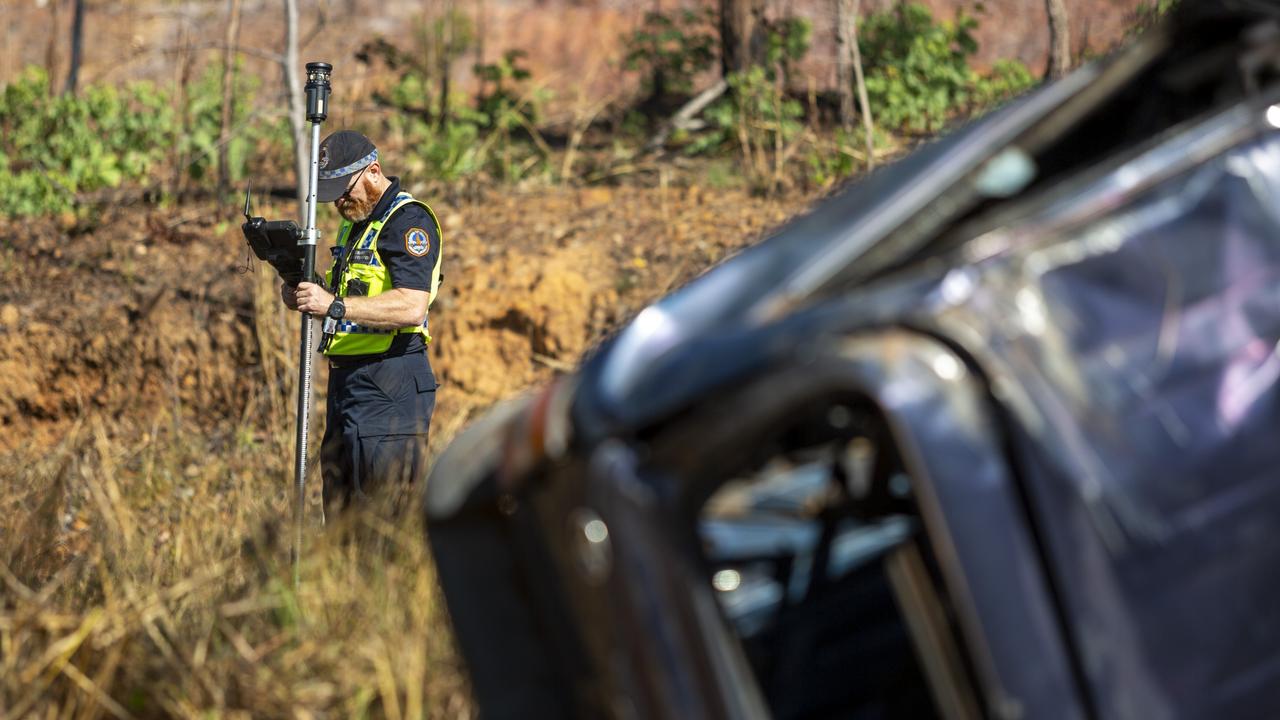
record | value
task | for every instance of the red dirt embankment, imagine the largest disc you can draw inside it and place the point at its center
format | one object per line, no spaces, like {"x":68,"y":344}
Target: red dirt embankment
{"x":153,"y":317}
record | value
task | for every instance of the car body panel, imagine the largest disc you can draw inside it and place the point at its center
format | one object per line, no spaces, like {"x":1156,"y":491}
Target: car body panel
{"x":1078,"y":370}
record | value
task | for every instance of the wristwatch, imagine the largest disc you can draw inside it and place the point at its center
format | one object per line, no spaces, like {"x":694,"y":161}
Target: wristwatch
{"x":337,"y":309}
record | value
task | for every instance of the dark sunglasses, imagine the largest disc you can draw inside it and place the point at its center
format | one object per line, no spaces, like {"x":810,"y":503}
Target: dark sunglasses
{"x":352,"y":186}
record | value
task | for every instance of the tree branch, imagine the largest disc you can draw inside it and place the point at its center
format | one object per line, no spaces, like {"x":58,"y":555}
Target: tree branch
{"x":681,"y":118}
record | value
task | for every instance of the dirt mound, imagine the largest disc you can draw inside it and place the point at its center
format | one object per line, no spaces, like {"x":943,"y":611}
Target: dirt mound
{"x":122,"y":320}
{"x":156,"y":315}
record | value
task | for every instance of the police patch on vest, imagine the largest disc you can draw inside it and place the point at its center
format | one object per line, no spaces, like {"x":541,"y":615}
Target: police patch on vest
{"x":417,"y":242}
{"x":362,"y":256}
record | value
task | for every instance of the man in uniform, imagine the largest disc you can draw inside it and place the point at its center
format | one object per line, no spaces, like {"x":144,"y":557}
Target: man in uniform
{"x":385,"y":273}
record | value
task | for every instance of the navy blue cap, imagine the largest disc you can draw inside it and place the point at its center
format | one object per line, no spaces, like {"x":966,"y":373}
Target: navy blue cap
{"x":342,"y":155}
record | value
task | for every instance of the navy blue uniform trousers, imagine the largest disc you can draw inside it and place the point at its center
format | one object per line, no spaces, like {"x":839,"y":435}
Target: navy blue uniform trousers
{"x":376,"y":423}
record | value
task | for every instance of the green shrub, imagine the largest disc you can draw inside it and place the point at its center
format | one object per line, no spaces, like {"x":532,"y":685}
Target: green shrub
{"x":1006,"y":79}
{"x":757,"y":111}
{"x":437,"y":43}
{"x":1148,"y":13}
{"x":838,"y":156}
{"x":198,"y":144}
{"x":917,"y":69}
{"x":500,"y":141}
{"x":787,"y":40}
{"x":449,"y":152}
{"x":53,"y":148}
{"x":508,"y":114}
{"x":756,"y":117}
{"x":500,"y":96}
{"x":669,"y":50}
{"x":497,"y":138}
{"x":830,"y":163}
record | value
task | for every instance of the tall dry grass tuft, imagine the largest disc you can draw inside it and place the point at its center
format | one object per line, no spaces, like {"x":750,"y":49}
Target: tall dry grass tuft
{"x":148,"y":576}
{"x":276,"y":351}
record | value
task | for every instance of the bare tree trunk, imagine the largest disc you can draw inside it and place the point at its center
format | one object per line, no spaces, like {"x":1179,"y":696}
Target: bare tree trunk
{"x":481,"y":30}
{"x":7,"y":68}
{"x":77,"y":42}
{"x":863,"y":102}
{"x":297,"y":105}
{"x":228,"y":92}
{"x":445,"y":61}
{"x":741,"y":34}
{"x":845,"y":40}
{"x":51,"y":48}
{"x":183,"y":66}
{"x":1059,"y":39}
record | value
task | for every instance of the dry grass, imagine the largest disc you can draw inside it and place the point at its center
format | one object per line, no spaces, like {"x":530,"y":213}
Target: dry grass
{"x":149,"y":577}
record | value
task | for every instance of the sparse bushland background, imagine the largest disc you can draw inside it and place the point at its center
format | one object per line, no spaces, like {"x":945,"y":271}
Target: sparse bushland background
{"x":147,"y":371}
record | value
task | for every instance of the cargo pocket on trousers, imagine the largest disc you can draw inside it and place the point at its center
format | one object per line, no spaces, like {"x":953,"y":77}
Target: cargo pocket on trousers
{"x":408,"y":385}
{"x":391,"y":461}
{"x":424,"y":379}
{"x":425,"y":382}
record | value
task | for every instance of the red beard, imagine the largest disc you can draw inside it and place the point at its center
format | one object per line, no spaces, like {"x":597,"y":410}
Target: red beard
{"x":359,"y":210}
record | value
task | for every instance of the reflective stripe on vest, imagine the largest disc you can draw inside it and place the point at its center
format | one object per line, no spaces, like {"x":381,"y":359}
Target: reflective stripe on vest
{"x":352,"y":338}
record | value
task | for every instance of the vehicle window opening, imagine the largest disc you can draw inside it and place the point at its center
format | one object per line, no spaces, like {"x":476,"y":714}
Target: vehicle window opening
{"x":818,"y":559}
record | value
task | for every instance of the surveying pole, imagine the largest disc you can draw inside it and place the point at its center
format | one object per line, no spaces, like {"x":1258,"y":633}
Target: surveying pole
{"x":317,"y":109}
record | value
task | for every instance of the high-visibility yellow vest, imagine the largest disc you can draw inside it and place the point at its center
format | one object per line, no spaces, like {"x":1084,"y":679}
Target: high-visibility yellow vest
{"x":353,"y":338}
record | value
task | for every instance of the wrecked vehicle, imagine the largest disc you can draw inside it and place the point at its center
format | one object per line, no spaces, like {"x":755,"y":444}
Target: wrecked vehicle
{"x":992,"y":433}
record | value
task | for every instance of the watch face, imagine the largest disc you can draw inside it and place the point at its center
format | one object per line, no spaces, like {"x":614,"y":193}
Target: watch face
{"x":337,"y":309}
